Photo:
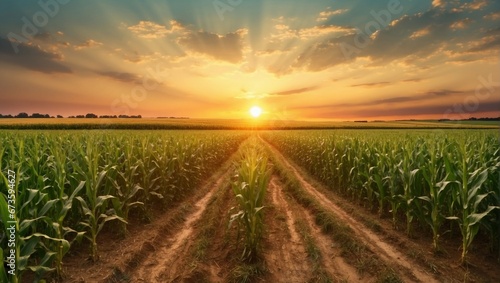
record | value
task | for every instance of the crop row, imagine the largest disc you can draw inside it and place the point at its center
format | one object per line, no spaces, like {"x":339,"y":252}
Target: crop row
{"x":68,"y":186}
{"x":424,"y":178}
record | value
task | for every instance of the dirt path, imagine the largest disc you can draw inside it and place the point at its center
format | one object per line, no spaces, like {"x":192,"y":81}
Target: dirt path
{"x":331,"y":252}
{"x":388,"y":253}
{"x":164,"y":262}
{"x":331,"y":259}
{"x":286,"y":257}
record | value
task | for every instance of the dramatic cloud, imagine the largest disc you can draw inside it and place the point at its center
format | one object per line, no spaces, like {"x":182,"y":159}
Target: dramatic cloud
{"x":32,"y":57}
{"x":227,"y":47}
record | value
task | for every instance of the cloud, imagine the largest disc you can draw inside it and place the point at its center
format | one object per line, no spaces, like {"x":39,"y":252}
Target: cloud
{"x":325,"y":15}
{"x":444,"y":110}
{"x":295,"y":91}
{"x":489,"y":42}
{"x":323,"y":55}
{"x":420,"y":33}
{"x":427,"y":96}
{"x":495,"y":16}
{"x":32,"y":57}
{"x":461,"y":24}
{"x":50,"y":41}
{"x":487,"y":45}
{"x":151,"y":30}
{"x":438,"y":3}
{"x":475,"y":5}
{"x":377,"y":84}
{"x":318,"y":31}
{"x":122,"y":77}
{"x":87,"y":44}
{"x":284,"y":32}
{"x":228,"y":47}
{"x":415,"y":38}
{"x":416,"y":80}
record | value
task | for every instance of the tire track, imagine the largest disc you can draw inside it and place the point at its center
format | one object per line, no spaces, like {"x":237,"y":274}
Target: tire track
{"x":286,"y":259}
{"x":384,"y":250}
{"x":164,"y":263}
{"x":331,"y":260}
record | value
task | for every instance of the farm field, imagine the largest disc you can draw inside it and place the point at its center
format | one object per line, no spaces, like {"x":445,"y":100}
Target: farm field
{"x":372,"y":205}
{"x":234,"y":124}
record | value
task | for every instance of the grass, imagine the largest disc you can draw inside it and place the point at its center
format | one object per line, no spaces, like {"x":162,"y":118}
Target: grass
{"x":314,"y":254}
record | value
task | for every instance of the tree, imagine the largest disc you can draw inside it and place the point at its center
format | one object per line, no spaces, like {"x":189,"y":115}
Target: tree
{"x":22,"y":115}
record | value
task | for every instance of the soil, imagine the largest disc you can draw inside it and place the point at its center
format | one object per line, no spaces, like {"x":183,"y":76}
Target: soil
{"x":191,"y":242}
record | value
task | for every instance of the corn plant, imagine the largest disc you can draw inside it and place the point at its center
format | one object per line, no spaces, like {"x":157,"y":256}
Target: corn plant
{"x":468,"y":195}
{"x":68,"y":184}
{"x":250,"y":189}
{"x":94,"y":206}
{"x":425,"y":177}
{"x":126,"y":188}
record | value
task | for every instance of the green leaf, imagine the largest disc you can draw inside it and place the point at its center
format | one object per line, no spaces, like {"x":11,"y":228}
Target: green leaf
{"x":475,"y":218}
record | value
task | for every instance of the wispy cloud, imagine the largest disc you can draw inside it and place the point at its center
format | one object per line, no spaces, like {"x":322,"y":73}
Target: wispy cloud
{"x":495,"y":16}
{"x":376,"y":84}
{"x":295,"y":91}
{"x":152,"y":30}
{"x":396,"y":101}
{"x":325,"y":15}
{"x":120,"y":76}
{"x":87,"y":44}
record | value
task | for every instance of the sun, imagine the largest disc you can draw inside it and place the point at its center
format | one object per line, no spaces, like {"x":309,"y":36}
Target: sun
{"x":256,"y":111}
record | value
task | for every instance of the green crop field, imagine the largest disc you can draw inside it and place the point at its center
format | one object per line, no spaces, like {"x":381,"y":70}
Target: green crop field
{"x":62,"y":188}
{"x":235,"y":124}
{"x":69,"y":185}
{"x":430,"y":177}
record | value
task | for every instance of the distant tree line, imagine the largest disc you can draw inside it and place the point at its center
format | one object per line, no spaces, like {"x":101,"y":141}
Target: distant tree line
{"x":89,"y":115}
{"x":472,"y":119}
{"x":25,"y":115}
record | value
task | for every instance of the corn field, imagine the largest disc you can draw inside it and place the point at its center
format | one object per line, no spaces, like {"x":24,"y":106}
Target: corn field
{"x":442,"y":181}
{"x":69,"y":186}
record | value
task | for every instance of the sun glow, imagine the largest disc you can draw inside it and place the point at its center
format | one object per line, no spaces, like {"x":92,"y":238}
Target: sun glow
{"x":256,"y":111}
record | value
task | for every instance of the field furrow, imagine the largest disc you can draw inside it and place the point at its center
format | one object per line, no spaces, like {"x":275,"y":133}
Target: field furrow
{"x":389,"y":254}
{"x":165,"y":263}
{"x":286,"y":257}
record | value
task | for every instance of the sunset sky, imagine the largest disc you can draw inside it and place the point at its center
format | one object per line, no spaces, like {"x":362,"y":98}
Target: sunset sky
{"x":321,"y":59}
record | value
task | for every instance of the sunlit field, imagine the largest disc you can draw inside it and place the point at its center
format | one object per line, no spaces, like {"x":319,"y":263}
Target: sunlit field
{"x":256,"y":123}
{"x":249,"y":141}
{"x":76,"y":191}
